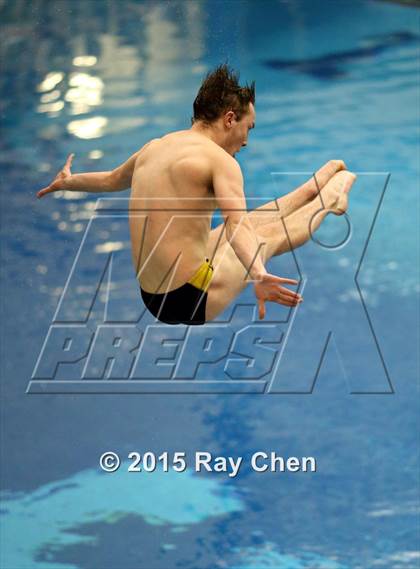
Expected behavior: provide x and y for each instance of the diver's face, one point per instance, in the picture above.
(240, 130)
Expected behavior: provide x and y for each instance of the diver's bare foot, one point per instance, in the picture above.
(323, 176)
(336, 192)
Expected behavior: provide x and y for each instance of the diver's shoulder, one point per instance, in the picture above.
(153, 141)
(222, 157)
(147, 146)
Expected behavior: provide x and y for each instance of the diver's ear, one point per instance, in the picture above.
(229, 118)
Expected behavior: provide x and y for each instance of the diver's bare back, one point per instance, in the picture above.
(171, 206)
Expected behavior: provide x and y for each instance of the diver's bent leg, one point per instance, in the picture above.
(230, 276)
(297, 228)
(284, 206)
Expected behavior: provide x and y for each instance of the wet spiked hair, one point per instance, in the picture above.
(219, 93)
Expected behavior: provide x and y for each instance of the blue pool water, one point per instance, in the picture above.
(334, 80)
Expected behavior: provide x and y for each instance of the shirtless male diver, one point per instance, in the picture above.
(189, 273)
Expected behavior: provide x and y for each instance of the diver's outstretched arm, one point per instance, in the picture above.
(110, 181)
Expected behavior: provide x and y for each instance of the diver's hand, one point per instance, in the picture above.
(60, 181)
(268, 288)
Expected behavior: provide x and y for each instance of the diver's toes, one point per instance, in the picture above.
(349, 181)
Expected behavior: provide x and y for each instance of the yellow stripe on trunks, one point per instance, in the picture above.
(201, 279)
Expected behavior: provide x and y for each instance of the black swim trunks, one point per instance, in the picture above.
(185, 304)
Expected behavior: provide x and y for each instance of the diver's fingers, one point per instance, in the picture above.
(286, 301)
(276, 279)
(45, 191)
(289, 293)
(261, 309)
(67, 165)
